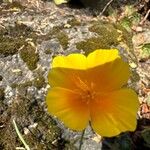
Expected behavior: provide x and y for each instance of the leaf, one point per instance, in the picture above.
(146, 50)
(126, 23)
(58, 2)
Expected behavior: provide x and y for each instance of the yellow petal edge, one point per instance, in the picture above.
(81, 62)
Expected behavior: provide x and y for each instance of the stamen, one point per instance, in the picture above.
(86, 92)
(82, 85)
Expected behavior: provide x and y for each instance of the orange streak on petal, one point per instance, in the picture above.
(68, 107)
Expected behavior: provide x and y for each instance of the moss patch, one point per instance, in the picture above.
(57, 32)
(14, 4)
(107, 32)
(60, 35)
(104, 29)
(11, 7)
(109, 36)
(10, 46)
(26, 112)
(29, 56)
(92, 44)
(21, 30)
(63, 39)
(14, 37)
(74, 22)
(126, 37)
(39, 82)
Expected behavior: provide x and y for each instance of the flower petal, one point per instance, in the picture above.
(68, 70)
(101, 56)
(73, 61)
(109, 76)
(66, 78)
(114, 113)
(68, 107)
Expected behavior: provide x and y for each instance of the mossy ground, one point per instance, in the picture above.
(58, 33)
(74, 22)
(14, 4)
(10, 46)
(13, 41)
(108, 36)
(26, 112)
(29, 56)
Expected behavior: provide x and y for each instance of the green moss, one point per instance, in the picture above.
(10, 46)
(2, 94)
(48, 51)
(107, 31)
(29, 56)
(39, 82)
(23, 31)
(74, 22)
(107, 38)
(9, 6)
(104, 29)
(55, 30)
(13, 85)
(25, 111)
(25, 84)
(109, 35)
(126, 36)
(13, 37)
(134, 79)
(60, 35)
(51, 128)
(22, 85)
(63, 39)
(14, 4)
(92, 44)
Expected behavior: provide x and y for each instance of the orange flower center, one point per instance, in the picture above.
(85, 90)
(87, 96)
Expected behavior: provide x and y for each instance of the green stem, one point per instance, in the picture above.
(20, 136)
(81, 140)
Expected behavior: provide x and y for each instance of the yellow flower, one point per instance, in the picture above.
(90, 89)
